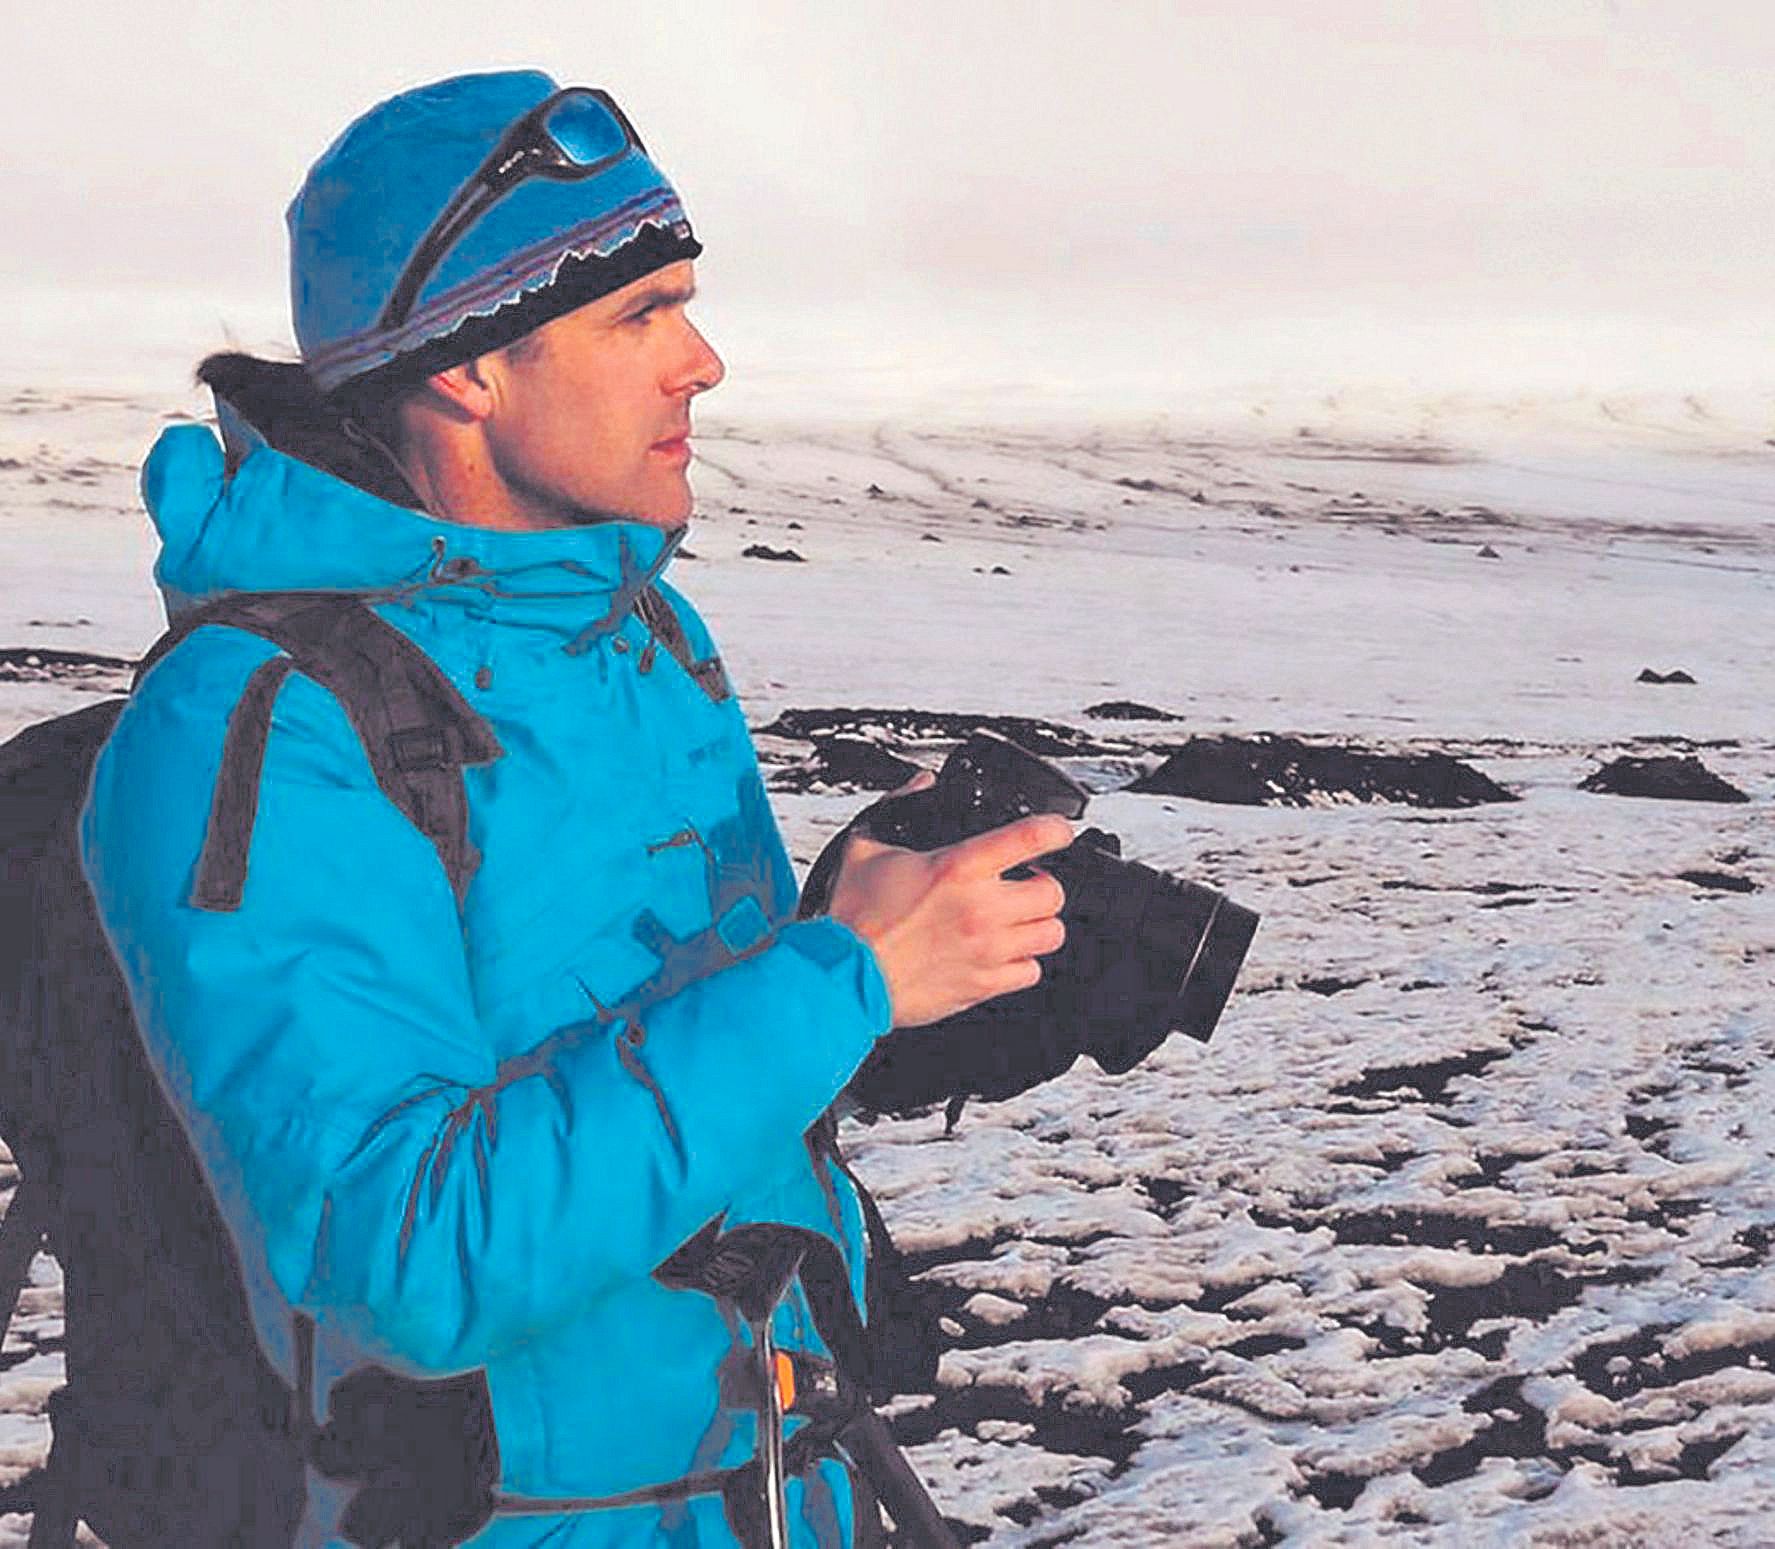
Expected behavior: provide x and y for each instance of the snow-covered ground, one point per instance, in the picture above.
(1461, 1229)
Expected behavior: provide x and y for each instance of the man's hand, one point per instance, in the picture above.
(948, 929)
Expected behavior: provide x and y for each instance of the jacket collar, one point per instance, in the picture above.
(243, 516)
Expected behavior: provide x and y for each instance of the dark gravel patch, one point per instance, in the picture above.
(1515, 1428)
(1066, 1312)
(1531, 1291)
(1429, 1079)
(1331, 984)
(1617, 1368)
(78, 669)
(912, 726)
(1423, 1228)
(1718, 881)
(1071, 1428)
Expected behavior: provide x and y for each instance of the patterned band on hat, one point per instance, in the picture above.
(656, 210)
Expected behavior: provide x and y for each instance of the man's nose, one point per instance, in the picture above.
(702, 367)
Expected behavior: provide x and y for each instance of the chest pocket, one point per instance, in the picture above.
(742, 926)
(746, 885)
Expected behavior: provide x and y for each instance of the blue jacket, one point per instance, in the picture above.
(465, 1138)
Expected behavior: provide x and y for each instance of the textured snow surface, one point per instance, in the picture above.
(1461, 1229)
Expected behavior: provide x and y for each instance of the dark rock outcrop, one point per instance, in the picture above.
(1662, 778)
(847, 763)
(1285, 772)
(1128, 710)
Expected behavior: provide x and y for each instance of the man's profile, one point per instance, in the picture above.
(486, 1073)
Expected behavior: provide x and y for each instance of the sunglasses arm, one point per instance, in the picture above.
(464, 209)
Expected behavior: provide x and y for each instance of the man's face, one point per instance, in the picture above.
(593, 409)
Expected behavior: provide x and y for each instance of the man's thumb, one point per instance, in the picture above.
(862, 846)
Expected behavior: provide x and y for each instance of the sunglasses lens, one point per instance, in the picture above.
(585, 130)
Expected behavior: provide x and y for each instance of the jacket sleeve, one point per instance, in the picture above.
(322, 1045)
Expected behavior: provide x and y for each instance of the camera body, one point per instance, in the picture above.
(1146, 954)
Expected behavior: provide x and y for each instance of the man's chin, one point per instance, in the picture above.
(667, 514)
(670, 513)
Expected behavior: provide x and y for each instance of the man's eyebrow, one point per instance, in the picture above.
(660, 296)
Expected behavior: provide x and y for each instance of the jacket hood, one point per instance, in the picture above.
(239, 515)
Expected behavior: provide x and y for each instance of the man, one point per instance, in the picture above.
(462, 1134)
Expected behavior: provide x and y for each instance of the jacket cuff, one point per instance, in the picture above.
(837, 947)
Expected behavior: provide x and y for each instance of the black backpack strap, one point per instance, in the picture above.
(668, 629)
(55, 1512)
(416, 728)
(21, 1235)
(899, 1351)
(234, 805)
(302, 1422)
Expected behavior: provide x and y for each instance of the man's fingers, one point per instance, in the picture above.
(1023, 974)
(999, 850)
(1037, 939)
(1034, 898)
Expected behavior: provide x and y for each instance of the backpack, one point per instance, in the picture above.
(173, 1428)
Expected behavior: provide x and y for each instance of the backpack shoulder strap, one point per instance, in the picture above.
(416, 728)
(21, 1235)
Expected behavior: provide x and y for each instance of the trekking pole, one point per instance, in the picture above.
(749, 1268)
(770, 1434)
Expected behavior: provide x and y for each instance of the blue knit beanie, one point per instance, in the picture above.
(542, 249)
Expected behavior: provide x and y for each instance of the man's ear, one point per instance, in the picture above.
(465, 392)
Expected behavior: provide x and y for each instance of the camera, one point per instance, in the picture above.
(1146, 954)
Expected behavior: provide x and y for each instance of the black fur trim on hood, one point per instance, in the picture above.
(278, 399)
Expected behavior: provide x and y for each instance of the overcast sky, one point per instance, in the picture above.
(1105, 177)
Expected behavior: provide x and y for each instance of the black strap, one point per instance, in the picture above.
(234, 804)
(887, 1279)
(55, 1516)
(417, 730)
(867, 1530)
(21, 1235)
(302, 1424)
(871, 1447)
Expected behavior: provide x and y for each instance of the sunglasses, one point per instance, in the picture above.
(577, 133)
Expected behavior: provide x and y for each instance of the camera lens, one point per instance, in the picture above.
(1220, 948)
